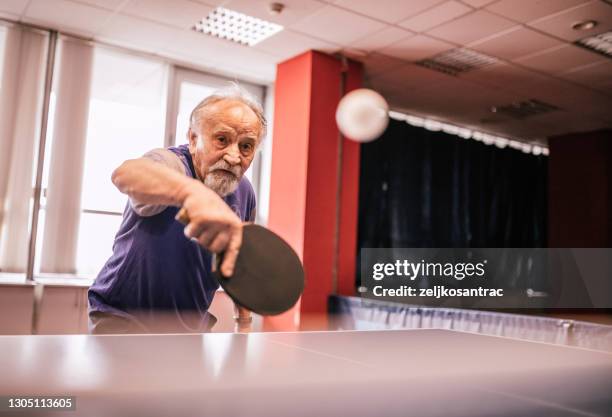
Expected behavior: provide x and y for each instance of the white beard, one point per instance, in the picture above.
(221, 183)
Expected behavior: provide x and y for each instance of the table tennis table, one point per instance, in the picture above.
(425, 372)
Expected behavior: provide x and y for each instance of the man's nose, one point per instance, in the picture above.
(232, 155)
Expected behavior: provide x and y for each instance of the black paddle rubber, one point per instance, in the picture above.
(268, 276)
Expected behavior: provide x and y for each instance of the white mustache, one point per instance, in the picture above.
(236, 170)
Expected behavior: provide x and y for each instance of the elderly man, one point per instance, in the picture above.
(159, 267)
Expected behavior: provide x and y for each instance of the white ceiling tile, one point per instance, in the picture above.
(207, 64)
(13, 7)
(574, 98)
(353, 53)
(470, 92)
(182, 14)
(415, 102)
(514, 43)
(189, 42)
(525, 11)
(376, 63)
(471, 27)
(287, 44)
(565, 122)
(412, 76)
(416, 48)
(66, 15)
(390, 11)
(560, 59)
(560, 24)
(477, 3)
(143, 34)
(382, 38)
(596, 76)
(211, 66)
(337, 25)
(506, 76)
(453, 99)
(556, 91)
(435, 16)
(248, 59)
(104, 4)
(294, 10)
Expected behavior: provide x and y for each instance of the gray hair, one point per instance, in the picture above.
(232, 92)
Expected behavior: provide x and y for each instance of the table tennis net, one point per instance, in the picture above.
(359, 314)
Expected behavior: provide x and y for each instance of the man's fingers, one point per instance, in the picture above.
(194, 229)
(207, 237)
(219, 242)
(231, 252)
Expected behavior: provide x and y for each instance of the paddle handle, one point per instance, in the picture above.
(242, 319)
(182, 216)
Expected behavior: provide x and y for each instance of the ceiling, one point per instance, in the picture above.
(531, 41)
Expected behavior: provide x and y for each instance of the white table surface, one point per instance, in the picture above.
(349, 373)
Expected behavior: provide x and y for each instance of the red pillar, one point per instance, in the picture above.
(304, 193)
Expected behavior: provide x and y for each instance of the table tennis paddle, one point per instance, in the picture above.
(268, 276)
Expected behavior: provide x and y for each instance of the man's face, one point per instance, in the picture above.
(225, 144)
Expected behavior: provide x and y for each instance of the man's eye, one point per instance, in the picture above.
(221, 139)
(247, 147)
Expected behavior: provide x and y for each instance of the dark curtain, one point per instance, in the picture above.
(420, 188)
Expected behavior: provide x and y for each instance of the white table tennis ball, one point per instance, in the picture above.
(362, 115)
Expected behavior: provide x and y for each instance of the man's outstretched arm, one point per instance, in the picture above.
(158, 179)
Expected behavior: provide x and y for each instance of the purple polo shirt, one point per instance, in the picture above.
(154, 267)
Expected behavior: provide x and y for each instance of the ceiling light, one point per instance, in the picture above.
(457, 61)
(236, 27)
(584, 25)
(601, 43)
(523, 109)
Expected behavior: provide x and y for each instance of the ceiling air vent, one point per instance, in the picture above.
(236, 27)
(524, 109)
(457, 61)
(602, 43)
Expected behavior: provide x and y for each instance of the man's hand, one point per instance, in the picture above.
(213, 224)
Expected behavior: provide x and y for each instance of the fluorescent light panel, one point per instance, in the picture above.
(523, 109)
(457, 61)
(236, 27)
(601, 43)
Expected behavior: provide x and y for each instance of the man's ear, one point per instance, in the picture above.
(192, 137)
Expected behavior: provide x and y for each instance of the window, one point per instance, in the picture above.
(191, 87)
(22, 63)
(190, 95)
(127, 113)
